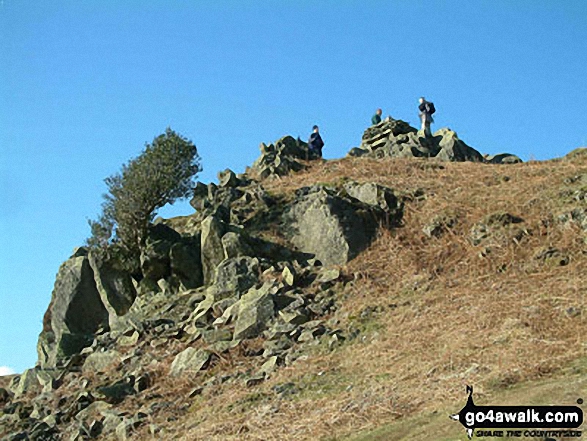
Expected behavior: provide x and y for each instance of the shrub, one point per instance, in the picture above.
(160, 175)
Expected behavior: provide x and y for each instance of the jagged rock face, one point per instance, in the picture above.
(330, 226)
(76, 312)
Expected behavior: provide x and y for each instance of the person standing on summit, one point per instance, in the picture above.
(426, 111)
(315, 142)
(377, 117)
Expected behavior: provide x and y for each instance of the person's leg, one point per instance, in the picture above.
(427, 131)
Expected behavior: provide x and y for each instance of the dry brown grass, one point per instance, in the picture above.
(451, 314)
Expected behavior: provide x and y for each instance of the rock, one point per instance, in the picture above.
(162, 232)
(577, 216)
(27, 382)
(186, 262)
(493, 223)
(129, 340)
(276, 347)
(142, 382)
(223, 346)
(329, 226)
(49, 379)
(211, 246)
(453, 149)
(282, 158)
(5, 396)
(503, 158)
(126, 427)
(269, 366)
(328, 275)
(288, 275)
(397, 139)
(101, 361)
(255, 380)
(440, 224)
(216, 335)
(155, 262)
(385, 134)
(116, 392)
(190, 361)
(377, 196)
(75, 313)
(357, 152)
(115, 286)
(255, 310)
(296, 317)
(235, 245)
(235, 276)
(227, 178)
(552, 255)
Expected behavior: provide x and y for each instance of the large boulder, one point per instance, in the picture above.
(332, 227)
(75, 313)
(255, 310)
(115, 286)
(212, 250)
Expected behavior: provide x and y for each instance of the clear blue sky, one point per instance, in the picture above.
(84, 84)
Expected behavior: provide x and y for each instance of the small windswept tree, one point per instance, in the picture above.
(160, 175)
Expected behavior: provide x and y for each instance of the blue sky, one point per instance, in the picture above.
(84, 84)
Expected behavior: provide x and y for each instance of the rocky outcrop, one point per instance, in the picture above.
(397, 139)
(75, 313)
(282, 158)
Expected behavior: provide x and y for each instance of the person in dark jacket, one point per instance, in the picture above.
(315, 142)
(426, 110)
(377, 117)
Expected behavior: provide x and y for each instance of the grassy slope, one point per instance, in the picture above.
(446, 314)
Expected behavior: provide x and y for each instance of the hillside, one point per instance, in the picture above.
(350, 299)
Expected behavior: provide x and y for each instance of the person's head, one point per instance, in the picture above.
(422, 99)
(379, 112)
(315, 129)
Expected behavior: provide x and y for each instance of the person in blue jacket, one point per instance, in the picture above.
(315, 142)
